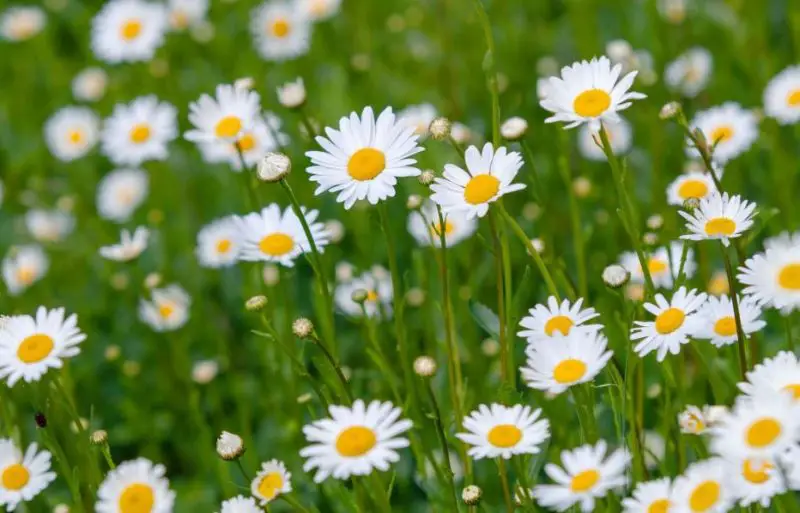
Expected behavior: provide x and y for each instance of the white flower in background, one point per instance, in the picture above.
(780, 373)
(253, 143)
(514, 128)
(224, 117)
(240, 504)
(588, 92)
(219, 243)
(589, 473)
(791, 464)
(675, 322)
(418, 117)
(292, 94)
(281, 30)
(49, 225)
(168, 309)
(354, 440)
(729, 129)
(364, 158)
(183, 14)
(22, 476)
(717, 323)
(719, 218)
(619, 135)
(773, 277)
(782, 96)
(379, 294)
(663, 265)
(425, 226)
(32, 345)
(129, 247)
(90, 84)
(272, 480)
(546, 322)
(120, 193)
(689, 73)
(755, 480)
(703, 487)
(692, 185)
(497, 431)
(461, 133)
(136, 485)
(488, 177)
(696, 421)
(674, 11)
(139, 131)
(23, 266)
(128, 30)
(71, 132)
(318, 10)
(649, 497)
(557, 364)
(20, 23)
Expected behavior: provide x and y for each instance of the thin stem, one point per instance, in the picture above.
(247, 176)
(336, 366)
(501, 465)
(242, 470)
(437, 419)
(106, 450)
(491, 73)
(295, 503)
(501, 306)
(526, 150)
(740, 337)
(787, 320)
(584, 406)
(575, 217)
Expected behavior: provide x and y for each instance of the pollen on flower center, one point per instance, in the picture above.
(136, 498)
(355, 441)
(436, 228)
(166, 310)
(35, 348)
(276, 244)
(569, 371)
(591, 103)
(504, 435)
(584, 481)
(560, 323)
(140, 133)
(372, 295)
(789, 277)
(720, 226)
(725, 327)
(131, 29)
(228, 127)
(756, 471)
(794, 389)
(270, 485)
(280, 27)
(179, 19)
(659, 506)
(669, 320)
(763, 432)
(247, 142)
(656, 266)
(224, 245)
(25, 275)
(692, 189)
(704, 496)
(793, 98)
(15, 477)
(721, 134)
(75, 136)
(481, 188)
(366, 163)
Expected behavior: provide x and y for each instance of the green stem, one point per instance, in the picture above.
(295, 503)
(501, 465)
(106, 450)
(501, 306)
(243, 471)
(740, 337)
(788, 326)
(336, 367)
(575, 217)
(585, 408)
(491, 73)
(437, 419)
(535, 187)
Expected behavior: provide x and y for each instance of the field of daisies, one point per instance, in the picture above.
(348, 256)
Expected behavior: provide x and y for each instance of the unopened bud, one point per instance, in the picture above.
(471, 495)
(514, 128)
(427, 177)
(615, 276)
(229, 446)
(302, 327)
(414, 201)
(99, 437)
(425, 366)
(669, 110)
(273, 167)
(292, 94)
(256, 303)
(440, 128)
(359, 295)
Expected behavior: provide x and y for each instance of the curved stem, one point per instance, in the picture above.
(740, 336)
(575, 217)
(437, 419)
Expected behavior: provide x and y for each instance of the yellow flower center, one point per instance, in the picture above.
(569, 371)
(355, 441)
(656, 266)
(584, 481)
(137, 498)
(504, 435)
(669, 320)
(276, 244)
(224, 245)
(130, 30)
(695, 423)
(725, 327)
(365, 164)
(721, 134)
(26, 275)
(280, 27)
(794, 389)
(228, 127)
(560, 323)
(372, 295)
(140, 133)
(318, 7)
(692, 189)
(436, 228)
(247, 142)
(718, 285)
(763, 432)
(75, 136)
(166, 310)
(705, 496)
(270, 485)
(659, 506)
(35, 348)
(756, 471)
(789, 277)
(793, 98)
(591, 103)
(480, 189)
(15, 477)
(720, 226)
(179, 19)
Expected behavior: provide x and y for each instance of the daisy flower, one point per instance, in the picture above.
(703, 487)
(22, 477)
(689, 73)
(719, 217)
(424, 225)
(219, 243)
(717, 323)
(224, 117)
(364, 158)
(139, 131)
(663, 265)
(497, 431)
(756, 480)
(183, 14)
(562, 362)
(773, 277)
(587, 476)
(378, 286)
(49, 225)
(782, 96)
(23, 266)
(675, 321)
(729, 129)
(548, 321)
(489, 176)
(240, 504)
(649, 497)
(292, 94)
(120, 193)
(272, 480)
(776, 374)
(129, 247)
(30, 346)
(272, 236)
(696, 421)
(168, 309)
(354, 440)
(790, 464)
(90, 84)
(281, 31)
(128, 31)
(71, 133)
(588, 92)
(418, 117)
(318, 10)
(619, 135)
(136, 485)
(20, 23)
(692, 185)
(783, 241)
(263, 136)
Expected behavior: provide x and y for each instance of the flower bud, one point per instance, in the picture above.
(669, 110)
(514, 128)
(99, 437)
(471, 495)
(425, 366)
(359, 295)
(302, 327)
(615, 276)
(229, 446)
(256, 303)
(292, 94)
(273, 167)
(427, 177)
(440, 128)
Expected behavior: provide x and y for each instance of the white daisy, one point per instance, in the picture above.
(619, 135)
(689, 73)
(696, 421)
(773, 277)
(776, 374)
(23, 266)
(20, 23)
(139, 131)
(136, 485)
(425, 226)
(22, 477)
(272, 236)
(219, 243)
(588, 92)
(90, 84)
(461, 133)
(783, 241)
(693, 185)
(489, 176)
(183, 14)
(719, 218)
(717, 323)
(557, 364)
(790, 463)
(318, 10)
(548, 321)
(755, 480)
(728, 128)
(587, 476)
(30, 346)
(364, 158)
(354, 441)
(253, 143)
(272, 480)
(675, 322)
(49, 225)
(663, 265)
(71, 132)
(281, 30)
(292, 94)
(240, 504)
(782, 96)
(223, 118)
(378, 287)
(702, 488)
(168, 309)
(418, 117)
(649, 497)
(497, 431)
(128, 31)
(129, 247)
(120, 193)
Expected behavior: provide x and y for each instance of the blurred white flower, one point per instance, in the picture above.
(20, 23)
(71, 132)
(139, 131)
(49, 225)
(90, 84)
(281, 30)
(690, 72)
(23, 266)
(128, 30)
(167, 310)
(120, 193)
(129, 247)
